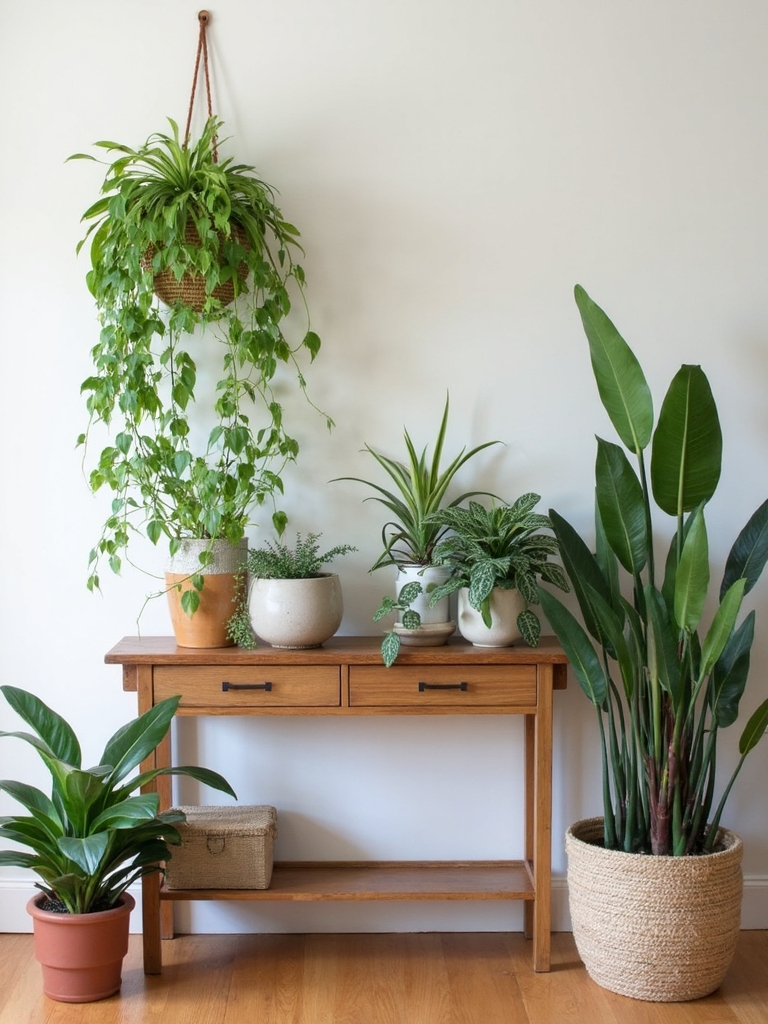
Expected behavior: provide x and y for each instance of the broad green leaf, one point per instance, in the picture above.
(687, 444)
(612, 627)
(49, 726)
(749, 553)
(136, 740)
(482, 580)
(390, 648)
(29, 797)
(754, 730)
(205, 775)
(578, 648)
(621, 506)
(583, 571)
(86, 852)
(608, 564)
(128, 812)
(663, 662)
(729, 676)
(722, 627)
(621, 383)
(692, 577)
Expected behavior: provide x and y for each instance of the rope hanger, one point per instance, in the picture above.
(202, 48)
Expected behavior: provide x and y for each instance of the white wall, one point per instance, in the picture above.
(455, 168)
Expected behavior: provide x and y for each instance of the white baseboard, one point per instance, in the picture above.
(325, 918)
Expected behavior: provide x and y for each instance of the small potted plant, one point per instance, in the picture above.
(89, 841)
(290, 601)
(183, 464)
(495, 558)
(410, 538)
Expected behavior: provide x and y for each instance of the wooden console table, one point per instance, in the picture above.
(346, 677)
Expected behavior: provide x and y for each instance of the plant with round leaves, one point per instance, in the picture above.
(663, 681)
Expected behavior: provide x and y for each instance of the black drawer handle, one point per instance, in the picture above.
(246, 686)
(442, 686)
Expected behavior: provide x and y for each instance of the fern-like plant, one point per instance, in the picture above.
(501, 547)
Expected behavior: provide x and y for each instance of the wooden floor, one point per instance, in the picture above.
(370, 979)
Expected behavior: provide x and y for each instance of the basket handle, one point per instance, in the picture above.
(202, 48)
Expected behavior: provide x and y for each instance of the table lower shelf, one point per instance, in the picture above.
(371, 880)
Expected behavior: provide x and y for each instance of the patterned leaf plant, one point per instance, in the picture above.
(503, 547)
(662, 681)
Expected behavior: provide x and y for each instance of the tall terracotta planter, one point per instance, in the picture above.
(81, 954)
(657, 928)
(207, 627)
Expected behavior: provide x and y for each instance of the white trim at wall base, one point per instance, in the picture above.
(14, 917)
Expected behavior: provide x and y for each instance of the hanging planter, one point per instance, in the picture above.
(191, 455)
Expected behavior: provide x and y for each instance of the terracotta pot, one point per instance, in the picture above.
(208, 626)
(296, 613)
(662, 929)
(506, 605)
(81, 954)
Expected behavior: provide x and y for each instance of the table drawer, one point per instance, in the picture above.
(225, 687)
(443, 686)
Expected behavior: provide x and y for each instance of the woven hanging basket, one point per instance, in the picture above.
(191, 289)
(656, 928)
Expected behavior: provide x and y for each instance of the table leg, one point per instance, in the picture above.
(150, 884)
(530, 739)
(542, 815)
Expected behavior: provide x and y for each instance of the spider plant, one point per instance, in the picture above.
(420, 490)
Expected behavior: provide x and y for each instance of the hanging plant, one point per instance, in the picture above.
(207, 236)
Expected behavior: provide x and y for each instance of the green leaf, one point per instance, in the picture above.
(663, 662)
(729, 676)
(136, 740)
(583, 572)
(578, 648)
(749, 553)
(722, 627)
(692, 577)
(621, 506)
(687, 444)
(390, 648)
(621, 383)
(52, 729)
(190, 601)
(86, 852)
(754, 730)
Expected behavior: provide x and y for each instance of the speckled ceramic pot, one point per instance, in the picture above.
(296, 613)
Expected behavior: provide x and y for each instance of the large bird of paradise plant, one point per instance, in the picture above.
(664, 678)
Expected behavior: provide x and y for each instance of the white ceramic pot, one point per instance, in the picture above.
(429, 576)
(296, 613)
(506, 605)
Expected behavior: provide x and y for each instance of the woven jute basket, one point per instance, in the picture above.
(191, 290)
(656, 928)
(224, 848)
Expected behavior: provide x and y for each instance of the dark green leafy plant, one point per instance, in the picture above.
(421, 487)
(180, 464)
(95, 835)
(662, 682)
(501, 547)
(276, 561)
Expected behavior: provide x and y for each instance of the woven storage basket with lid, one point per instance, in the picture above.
(224, 848)
(656, 928)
